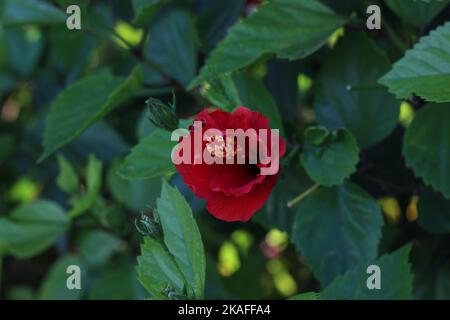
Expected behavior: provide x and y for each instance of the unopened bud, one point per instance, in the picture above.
(149, 226)
(162, 115)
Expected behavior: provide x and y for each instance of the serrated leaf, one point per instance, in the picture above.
(416, 13)
(396, 280)
(30, 11)
(67, 179)
(426, 146)
(84, 103)
(434, 212)
(32, 228)
(172, 45)
(287, 28)
(349, 97)
(182, 238)
(157, 270)
(424, 70)
(332, 158)
(150, 158)
(349, 223)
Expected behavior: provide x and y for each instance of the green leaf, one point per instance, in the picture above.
(54, 285)
(30, 11)
(145, 10)
(431, 268)
(311, 295)
(182, 238)
(172, 45)
(67, 179)
(70, 51)
(157, 270)
(426, 146)
(21, 292)
(84, 103)
(434, 212)
(349, 96)
(32, 228)
(96, 247)
(424, 70)
(416, 13)
(329, 157)
(118, 274)
(99, 134)
(255, 96)
(348, 221)
(94, 175)
(82, 203)
(7, 82)
(229, 92)
(346, 6)
(215, 17)
(276, 213)
(222, 93)
(287, 28)
(396, 280)
(150, 158)
(24, 46)
(7, 145)
(136, 195)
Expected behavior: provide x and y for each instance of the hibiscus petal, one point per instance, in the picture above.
(237, 182)
(242, 208)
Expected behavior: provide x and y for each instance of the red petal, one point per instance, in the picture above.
(232, 208)
(235, 182)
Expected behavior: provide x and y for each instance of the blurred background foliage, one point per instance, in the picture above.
(91, 209)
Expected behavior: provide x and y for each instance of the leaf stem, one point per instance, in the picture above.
(303, 195)
(136, 51)
(296, 148)
(396, 40)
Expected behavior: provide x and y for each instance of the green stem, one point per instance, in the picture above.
(134, 51)
(286, 160)
(396, 40)
(303, 195)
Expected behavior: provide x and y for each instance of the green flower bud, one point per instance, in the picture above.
(162, 115)
(149, 226)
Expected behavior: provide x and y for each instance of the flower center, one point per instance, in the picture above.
(218, 147)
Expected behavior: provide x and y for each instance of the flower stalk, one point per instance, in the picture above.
(303, 195)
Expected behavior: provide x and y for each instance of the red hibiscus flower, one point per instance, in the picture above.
(233, 191)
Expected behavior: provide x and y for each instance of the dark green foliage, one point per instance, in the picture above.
(86, 176)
